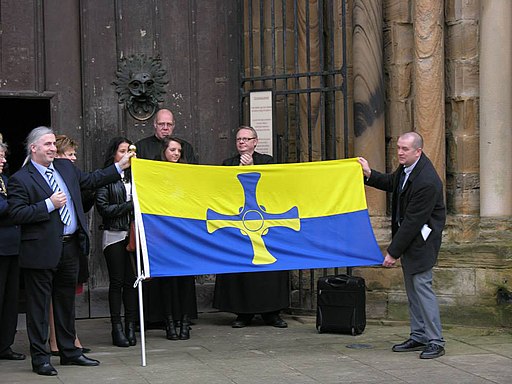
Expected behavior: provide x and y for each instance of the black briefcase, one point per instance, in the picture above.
(341, 304)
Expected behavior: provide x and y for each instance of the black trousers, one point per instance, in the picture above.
(9, 290)
(57, 285)
(120, 265)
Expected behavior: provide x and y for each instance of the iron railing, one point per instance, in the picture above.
(298, 51)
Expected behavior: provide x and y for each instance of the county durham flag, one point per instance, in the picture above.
(200, 219)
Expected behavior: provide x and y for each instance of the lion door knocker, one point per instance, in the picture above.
(140, 85)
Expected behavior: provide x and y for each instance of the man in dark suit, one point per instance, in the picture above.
(247, 294)
(418, 220)
(151, 147)
(44, 198)
(9, 271)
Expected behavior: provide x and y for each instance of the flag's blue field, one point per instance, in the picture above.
(198, 219)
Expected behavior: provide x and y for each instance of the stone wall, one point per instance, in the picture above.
(474, 266)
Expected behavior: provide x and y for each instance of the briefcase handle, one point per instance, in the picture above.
(337, 281)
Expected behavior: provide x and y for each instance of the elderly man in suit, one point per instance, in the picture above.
(44, 198)
(418, 219)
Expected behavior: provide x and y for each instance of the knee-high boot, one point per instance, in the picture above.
(185, 328)
(118, 337)
(129, 329)
(170, 329)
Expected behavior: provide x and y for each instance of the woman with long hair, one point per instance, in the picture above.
(115, 205)
(178, 293)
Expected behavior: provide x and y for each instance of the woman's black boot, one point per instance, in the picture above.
(118, 337)
(129, 330)
(170, 329)
(185, 328)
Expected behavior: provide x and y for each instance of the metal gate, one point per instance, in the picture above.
(297, 50)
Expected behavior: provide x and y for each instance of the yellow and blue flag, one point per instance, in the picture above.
(201, 219)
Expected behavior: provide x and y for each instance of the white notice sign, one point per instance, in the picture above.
(261, 120)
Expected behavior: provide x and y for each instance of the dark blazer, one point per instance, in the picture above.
(150, 148)
(41, 232)
(257, 158)
(9, 233)
(421, 202)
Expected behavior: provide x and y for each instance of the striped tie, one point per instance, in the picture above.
(63, 211)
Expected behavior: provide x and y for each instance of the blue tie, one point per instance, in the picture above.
(63, 211)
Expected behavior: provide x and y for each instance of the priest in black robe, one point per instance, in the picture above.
(251, 293)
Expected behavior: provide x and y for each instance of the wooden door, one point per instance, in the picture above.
(65, 55)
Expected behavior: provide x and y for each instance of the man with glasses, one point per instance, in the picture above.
(247, 294)
(151, 147)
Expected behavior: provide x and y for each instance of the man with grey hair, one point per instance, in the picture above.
(44, 199)
(418, 219)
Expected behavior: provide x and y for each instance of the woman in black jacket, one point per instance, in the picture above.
(115, 206)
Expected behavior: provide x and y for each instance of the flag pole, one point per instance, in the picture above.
(140, 274)
(138, 282)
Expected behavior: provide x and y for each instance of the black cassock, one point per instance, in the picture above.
(251, 292)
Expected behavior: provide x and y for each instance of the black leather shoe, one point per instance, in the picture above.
(129, 330)
(11, 355)
(118, 337)
(239, 324)
(432, 351)
(278, 322)
(45, 369)
(409, 346)
(82, 360)
(242, 321)
(55, 353)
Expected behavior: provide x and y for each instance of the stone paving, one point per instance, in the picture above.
(217, 353)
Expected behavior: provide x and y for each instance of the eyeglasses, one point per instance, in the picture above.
(162, 125)
(2, 157)
(244, 139)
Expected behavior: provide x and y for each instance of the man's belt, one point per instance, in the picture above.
(68, 238)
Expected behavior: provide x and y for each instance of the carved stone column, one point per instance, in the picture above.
(369, 122)
(429, 109)
(309, 61)
(462, 103)
(495, 108)
(399, 64)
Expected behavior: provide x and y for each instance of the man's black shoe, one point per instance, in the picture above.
(80, 360)
(242, 321)
(239, 324)
(277, 322)
(45, 369)
(409, 346)
(432, 351)
(11, 355)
